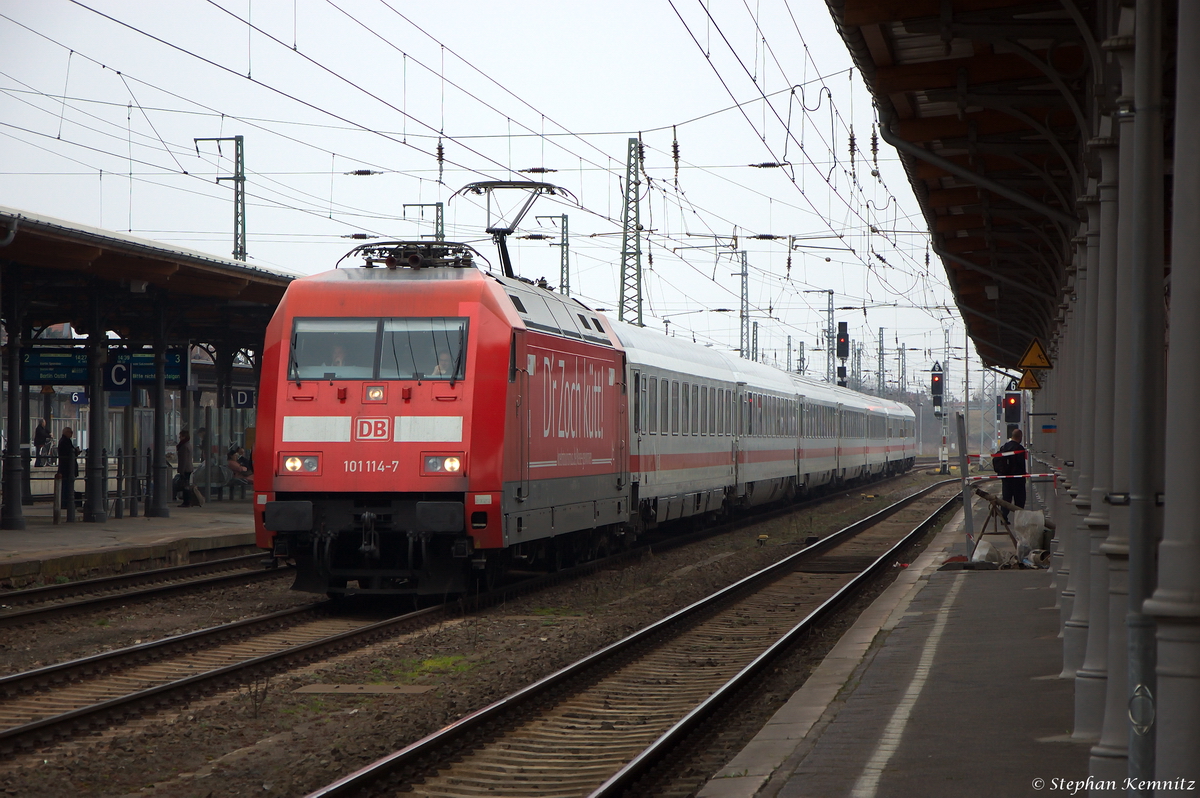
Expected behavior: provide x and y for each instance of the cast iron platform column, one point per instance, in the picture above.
(95, 505)
(1175, 604)
(12, 516)
(162, 471)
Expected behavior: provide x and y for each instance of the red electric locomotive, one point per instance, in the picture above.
(421, 421)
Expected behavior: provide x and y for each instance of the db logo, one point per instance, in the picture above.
(372, 429)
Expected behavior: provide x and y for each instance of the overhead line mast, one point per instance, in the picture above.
(744, 346)
(239, 191)
(630, 309)
(564, 270)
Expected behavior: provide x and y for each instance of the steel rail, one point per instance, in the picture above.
(413, 755)
(656, 752)
(73, 670)
(47, 611)
(13, 598)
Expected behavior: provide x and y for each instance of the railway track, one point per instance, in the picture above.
(599, 726)
(59, 701)
(42, 603)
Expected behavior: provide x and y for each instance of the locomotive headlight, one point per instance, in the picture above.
(302, 463)
(375, 393)
(442, 464)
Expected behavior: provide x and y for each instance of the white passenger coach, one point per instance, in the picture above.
(710, 431)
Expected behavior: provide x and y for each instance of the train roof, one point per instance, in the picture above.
(547, 311)
(650, 347)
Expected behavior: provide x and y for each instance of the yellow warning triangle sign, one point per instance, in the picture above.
(1028, 382)
(1035, 357)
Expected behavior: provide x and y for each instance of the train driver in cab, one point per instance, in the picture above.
(445, 366)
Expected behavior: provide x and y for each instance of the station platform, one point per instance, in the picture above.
(44, 552)
(946, 686)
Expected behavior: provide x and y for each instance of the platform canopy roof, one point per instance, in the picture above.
(998, 109)
(64, 272)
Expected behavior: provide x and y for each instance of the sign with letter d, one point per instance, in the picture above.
(372, 429)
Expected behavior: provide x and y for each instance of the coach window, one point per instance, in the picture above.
(637, 402)
(652, 406)
(645, 395)
(695, 409)
(704, 410)
(664, 405)
(674, 407)
(688, 405)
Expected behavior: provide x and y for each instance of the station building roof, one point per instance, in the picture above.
(997, 108)
(58, 268)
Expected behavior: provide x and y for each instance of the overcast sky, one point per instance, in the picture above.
(100, 103)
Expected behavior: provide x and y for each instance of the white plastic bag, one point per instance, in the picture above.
(986, 552)
(1027, 528)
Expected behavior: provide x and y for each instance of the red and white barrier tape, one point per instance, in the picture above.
(1014, 476)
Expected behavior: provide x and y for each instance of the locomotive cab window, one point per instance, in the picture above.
(430, 349)
(335, 349)
(385, 349)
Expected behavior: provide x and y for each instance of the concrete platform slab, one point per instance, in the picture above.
(44, 552)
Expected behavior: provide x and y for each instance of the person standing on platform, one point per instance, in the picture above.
(183, 454)
(41, 440)
(1009, 463)
(68, 466)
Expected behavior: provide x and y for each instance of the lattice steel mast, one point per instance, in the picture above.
(744, 346)
(239, 191)
(630, 309)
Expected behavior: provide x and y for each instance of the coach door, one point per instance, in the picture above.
(637, 426)
(739, 428)
(837, 448)
(630, 430)
(797, 422)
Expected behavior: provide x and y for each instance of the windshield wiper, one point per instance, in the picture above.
(458, 358)
(293, 364)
